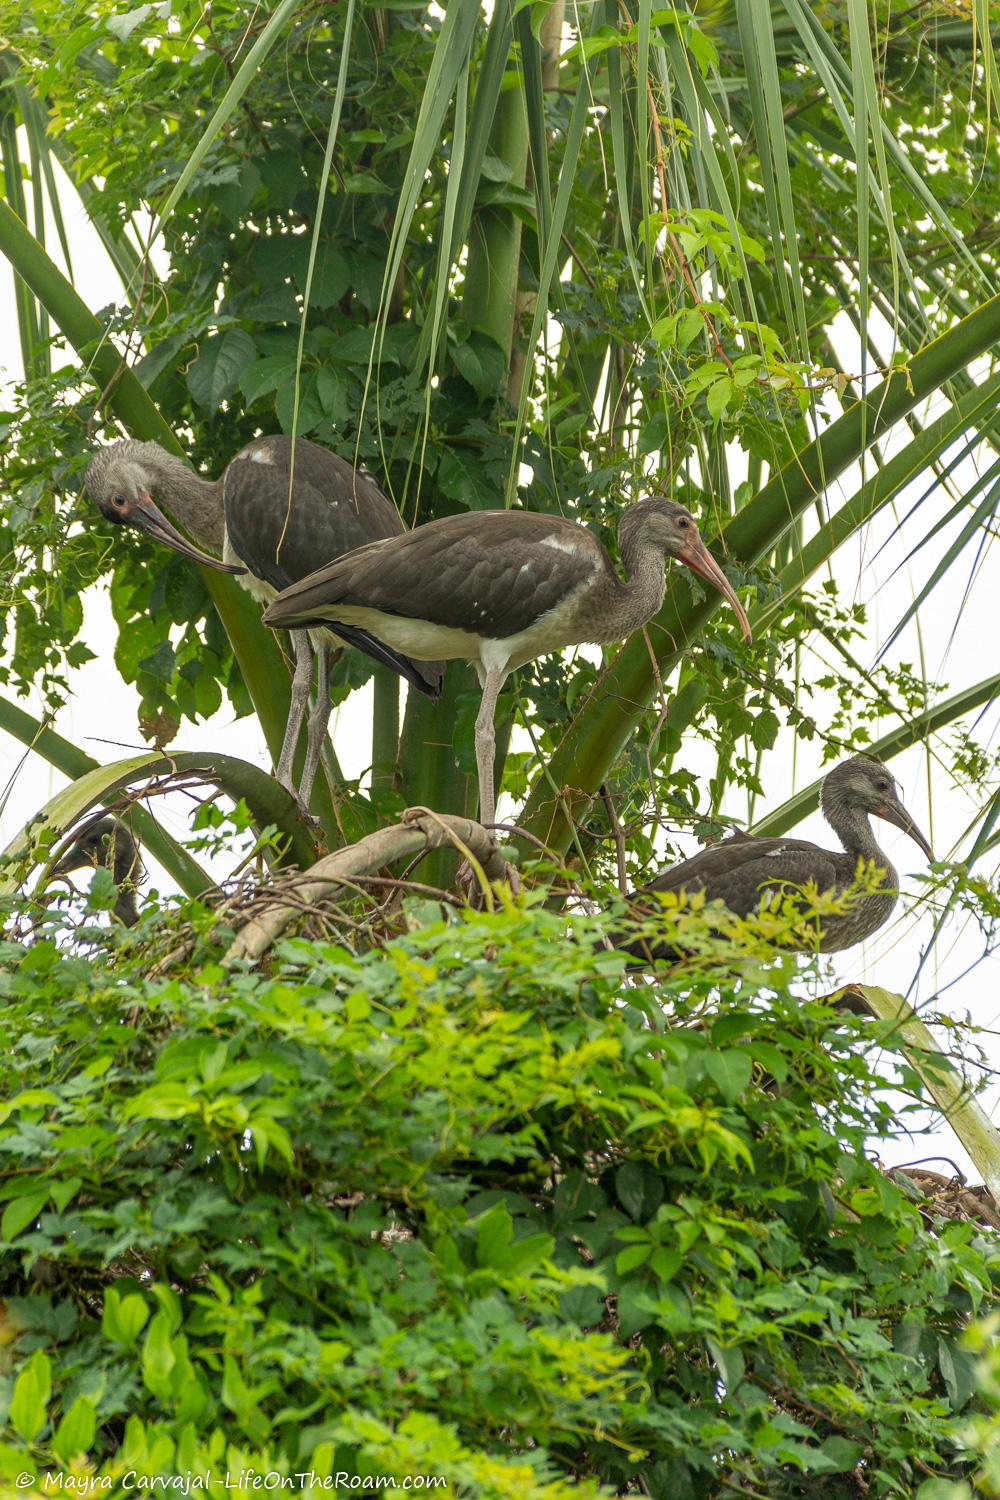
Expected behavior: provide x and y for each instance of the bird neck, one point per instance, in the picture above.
(125, 907)
(854, 830)
(636, 600)
(196, 503)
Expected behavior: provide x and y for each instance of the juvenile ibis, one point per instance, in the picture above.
(497, 588)
(272, 522)
(108, 845)
(744, 872)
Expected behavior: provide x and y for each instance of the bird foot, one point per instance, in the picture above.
(467, 879)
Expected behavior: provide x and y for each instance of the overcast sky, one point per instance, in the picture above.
(956, 645)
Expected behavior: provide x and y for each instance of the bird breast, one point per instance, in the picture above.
(255, 587)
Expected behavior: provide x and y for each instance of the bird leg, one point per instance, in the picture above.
(486, 743)
(301, 682)
(319, 718)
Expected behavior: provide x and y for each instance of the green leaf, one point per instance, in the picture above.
(629, 1180)
(632, 1256)
(494, 1233)
(215, 374)
(263, 376)
(729, 1361)
(841, 1454)
(31, 1394)
(460, 477)
(482, 363)
(158, 1358)
(76, 1430)
(958, 1371)
(730, 1070)
(124, 1316)
(21, 1212)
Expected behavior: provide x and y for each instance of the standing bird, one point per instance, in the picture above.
(745, 872)
(499, 587)
(278, 519)
(108, 845)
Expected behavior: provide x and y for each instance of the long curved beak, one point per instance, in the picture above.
(147, 516)
(73, 859)
(696, 556)
(895, 812)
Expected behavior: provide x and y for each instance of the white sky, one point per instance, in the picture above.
(958, 645)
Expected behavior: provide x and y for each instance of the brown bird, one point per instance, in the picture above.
(280, 521)
(497, 588)
(745, 873)
(108, 845)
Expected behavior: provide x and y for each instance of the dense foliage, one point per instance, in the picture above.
(459, 1198)
(465, 1206)
(683, 347)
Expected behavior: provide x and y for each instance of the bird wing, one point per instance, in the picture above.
(740, 869)
(493, 572)
(334, 509)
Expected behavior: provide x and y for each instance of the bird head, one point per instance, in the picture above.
(865, 785)
(119, 479)
(668, 526)
(105, 844)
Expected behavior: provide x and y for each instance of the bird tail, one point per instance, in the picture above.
(425, 676)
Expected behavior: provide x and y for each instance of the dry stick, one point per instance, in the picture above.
(968, 1120)
(619, 837)
(672, 238)
(420, 831)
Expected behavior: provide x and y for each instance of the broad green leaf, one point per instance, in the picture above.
(32, 1390)
(76, 1430)
(215, 374)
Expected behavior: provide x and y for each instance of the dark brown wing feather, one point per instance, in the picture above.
(334, 509)
(737, 872)
(494, 572)
(739, 869)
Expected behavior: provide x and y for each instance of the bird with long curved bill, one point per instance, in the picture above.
(273, 516)
(497, 588)
(745, 873)
(108, 845)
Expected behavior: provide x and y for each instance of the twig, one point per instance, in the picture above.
(419, 831)
(671, 236)
(619, 837)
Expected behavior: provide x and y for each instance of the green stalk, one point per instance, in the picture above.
(613, 709)
(430, 773)
(72, 762)
(256, 651)
(941, 1078)
(491, 277)
(27, 321)
(385, 727)
(270, 804)
(877, 492)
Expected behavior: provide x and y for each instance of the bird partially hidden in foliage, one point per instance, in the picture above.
(108, 845)
(275, 514)
(745, 873)
(496, 588)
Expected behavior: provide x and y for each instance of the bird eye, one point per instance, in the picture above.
(118, 501)
(683, 522)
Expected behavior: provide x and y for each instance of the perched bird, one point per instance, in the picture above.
(108, 845)
(745, 872)
(497, 588)
(271, 521)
